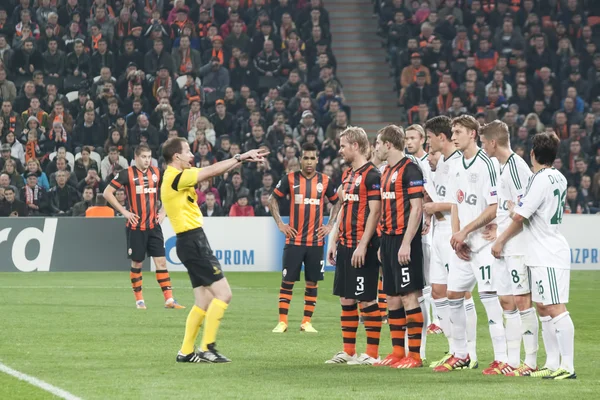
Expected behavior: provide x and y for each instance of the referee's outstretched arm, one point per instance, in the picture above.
(221, 167)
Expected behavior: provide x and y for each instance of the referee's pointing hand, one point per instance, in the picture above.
(254, 155)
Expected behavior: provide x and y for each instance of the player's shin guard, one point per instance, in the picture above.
(349, 320)
(310, 302)
(425, 313)
(285, 297)
(397, 322)
(443, 316)
(372, 322)
(471, 313)
(192, 327)
(494, 316)
(381, 298)
(530, 331)
(458, 318)
(550, 343)
(513, 337)
(565, 333)
(214, 314)
(414, 327)
(164, 281)
(135, 274)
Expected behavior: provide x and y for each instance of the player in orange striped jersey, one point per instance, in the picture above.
(305, 233)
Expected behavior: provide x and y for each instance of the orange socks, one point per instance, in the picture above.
(397, 322)
(164, 280)
(414, 326)
(310, 302)
(136, 282)
(349, 320)
(372, 321)
(285, 297)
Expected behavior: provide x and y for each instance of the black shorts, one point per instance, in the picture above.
(401, 279)
(140, 243)
(356, 283)
(197, 257)
(312, 258)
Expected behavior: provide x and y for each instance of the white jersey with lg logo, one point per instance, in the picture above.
(444, 172)
(473, 189)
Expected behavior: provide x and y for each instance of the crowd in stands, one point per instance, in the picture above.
(83, 82)
(535, 64)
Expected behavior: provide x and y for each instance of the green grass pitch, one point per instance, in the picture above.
(82, 333)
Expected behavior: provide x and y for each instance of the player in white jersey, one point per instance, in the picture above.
(415, 143)
(439, 137)
(510, 276)
(473, 194)
(547, 255)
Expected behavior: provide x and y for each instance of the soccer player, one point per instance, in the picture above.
(304, 234)
(401, 248)
(211, 290)
(510, 278)
(144, 234)
(547, 255)
(439, 137)
(357, 267)
(474, 198)
(381, 297)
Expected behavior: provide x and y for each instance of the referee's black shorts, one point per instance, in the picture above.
(142, 242)
(198, 258)
(401, 279)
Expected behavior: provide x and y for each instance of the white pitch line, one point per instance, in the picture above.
(17, 287)
(58, 392)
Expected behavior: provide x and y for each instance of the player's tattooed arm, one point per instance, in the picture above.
(324, 230)
(514, 228)
(284, 228)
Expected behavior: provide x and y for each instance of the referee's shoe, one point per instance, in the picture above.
(213, 356)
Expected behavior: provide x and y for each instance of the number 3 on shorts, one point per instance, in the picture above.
(360, 283)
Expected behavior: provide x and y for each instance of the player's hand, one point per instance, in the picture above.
(464, 252)
(358, 257)
(404, 254)
(426, 226)
(287, 230)
(490, 231)
(331, 255)
(497, 249)
(323, 231)
(510, 205)
(161, 217)
(458, 239)
(379, 254)
(131, 217)
(254, 155)
(429, 208)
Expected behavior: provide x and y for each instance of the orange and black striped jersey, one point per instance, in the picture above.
(399, 184)
(307, 198)
(142, 189)
(359, 187)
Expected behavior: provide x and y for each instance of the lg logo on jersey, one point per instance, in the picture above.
(441, 191)
(45, 238)
(470, 199)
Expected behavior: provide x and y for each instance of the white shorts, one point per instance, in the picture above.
(426, 263)
(550, 285)
(463, 275)
(441, 251)
(511, 276)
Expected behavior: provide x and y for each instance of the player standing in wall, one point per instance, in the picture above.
(381, 297)
(357, 267)
(401, 248)
(144, 234)
(474, 199)
(547, 256)
(304, 234)
(511, 280)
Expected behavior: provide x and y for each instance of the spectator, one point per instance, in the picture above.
(10, 169)
(62, 196)
(206, 187)
(100, 209)
(574, 202)
(262, 208)
(12, 207)
(109, 162)
(121, 197)
(34, 195)
(210, 208)
(62, 166)
(8, 90)
(241, 208)
(33, 167)
(585, 191)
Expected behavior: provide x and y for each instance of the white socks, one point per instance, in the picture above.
(513, 337)
(471, 328)
(442, 308)
(530, 331)
(424, 309)
(550, 343)
(565, 333)
(430, 306)
(494, 316)
(459, 328)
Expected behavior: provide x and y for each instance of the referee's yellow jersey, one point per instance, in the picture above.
(179, 198)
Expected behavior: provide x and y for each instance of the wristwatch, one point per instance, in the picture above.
(238, 157)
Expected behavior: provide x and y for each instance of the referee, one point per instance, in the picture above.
(211, 291)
